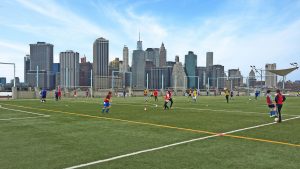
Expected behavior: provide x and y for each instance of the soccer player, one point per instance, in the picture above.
(106, 103)
(75, 93)
(279, 99)
(43, 95)
(195, 95)
(124, 93)
(270, 104)
(227, 95)
(190, 93)
(87, 93)
(256, 94)
(231, 95)
(59, 93)
(155, 94)
(56, 95)
(146, 95)
(167, 99)
(145, 98)
(170, 98)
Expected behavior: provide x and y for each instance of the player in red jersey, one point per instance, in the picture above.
(106, 103)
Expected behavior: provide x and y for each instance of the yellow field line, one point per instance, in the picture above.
(162, 126)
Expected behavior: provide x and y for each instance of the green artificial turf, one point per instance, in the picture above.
(76, 132)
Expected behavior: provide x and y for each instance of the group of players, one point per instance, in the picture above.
(167, 98)
(274, 105)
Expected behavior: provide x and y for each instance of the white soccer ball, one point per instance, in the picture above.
(145, 109)
(276, 119)
(156, 105)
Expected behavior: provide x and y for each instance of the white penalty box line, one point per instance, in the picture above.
(174, 144)
(38, 115)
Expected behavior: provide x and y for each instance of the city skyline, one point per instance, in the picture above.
(261, 32)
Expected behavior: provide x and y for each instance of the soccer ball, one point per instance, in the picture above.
(156, 105)
(145, 108)
(276, 119)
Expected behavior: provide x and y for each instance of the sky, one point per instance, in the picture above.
(239, 32)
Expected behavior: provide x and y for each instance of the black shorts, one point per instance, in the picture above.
(271, 105)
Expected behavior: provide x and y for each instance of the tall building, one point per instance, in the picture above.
(139, 43)
(41, 66)
(56, 72)
(152, 54)
(271, 78)
(178, 75)
(235, 77)
(162, 55)
(149, 65)
(138, 66)
(209, 59)
(216, 76)
(190, 69)
(125, 59)
(160, 77)
(69, 69)
(252, 78)
(201, 73)
(114, 65)
(100, 63)
(170, 63)
(85, 72)
(26, 66)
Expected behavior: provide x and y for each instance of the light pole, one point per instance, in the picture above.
(260, 73)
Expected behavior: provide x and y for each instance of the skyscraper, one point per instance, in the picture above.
(100, 63)
(235, 77)
(271, 78)
(162, 55)
(85, 72)
(209, 59)
(56, 72)
(26, 66)
(152, 54)
(178, 75)
(69, 68)
(138, 66)
(216, 76)
(125, 59)
(201, 73)
(139, 43)
(190, 69)
(41, 59)
(252, 78)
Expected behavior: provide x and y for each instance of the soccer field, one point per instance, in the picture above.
(210, 133)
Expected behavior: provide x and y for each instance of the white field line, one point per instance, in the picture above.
(174, 144)
(23, 111)
(23, 118)
(236, 111)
